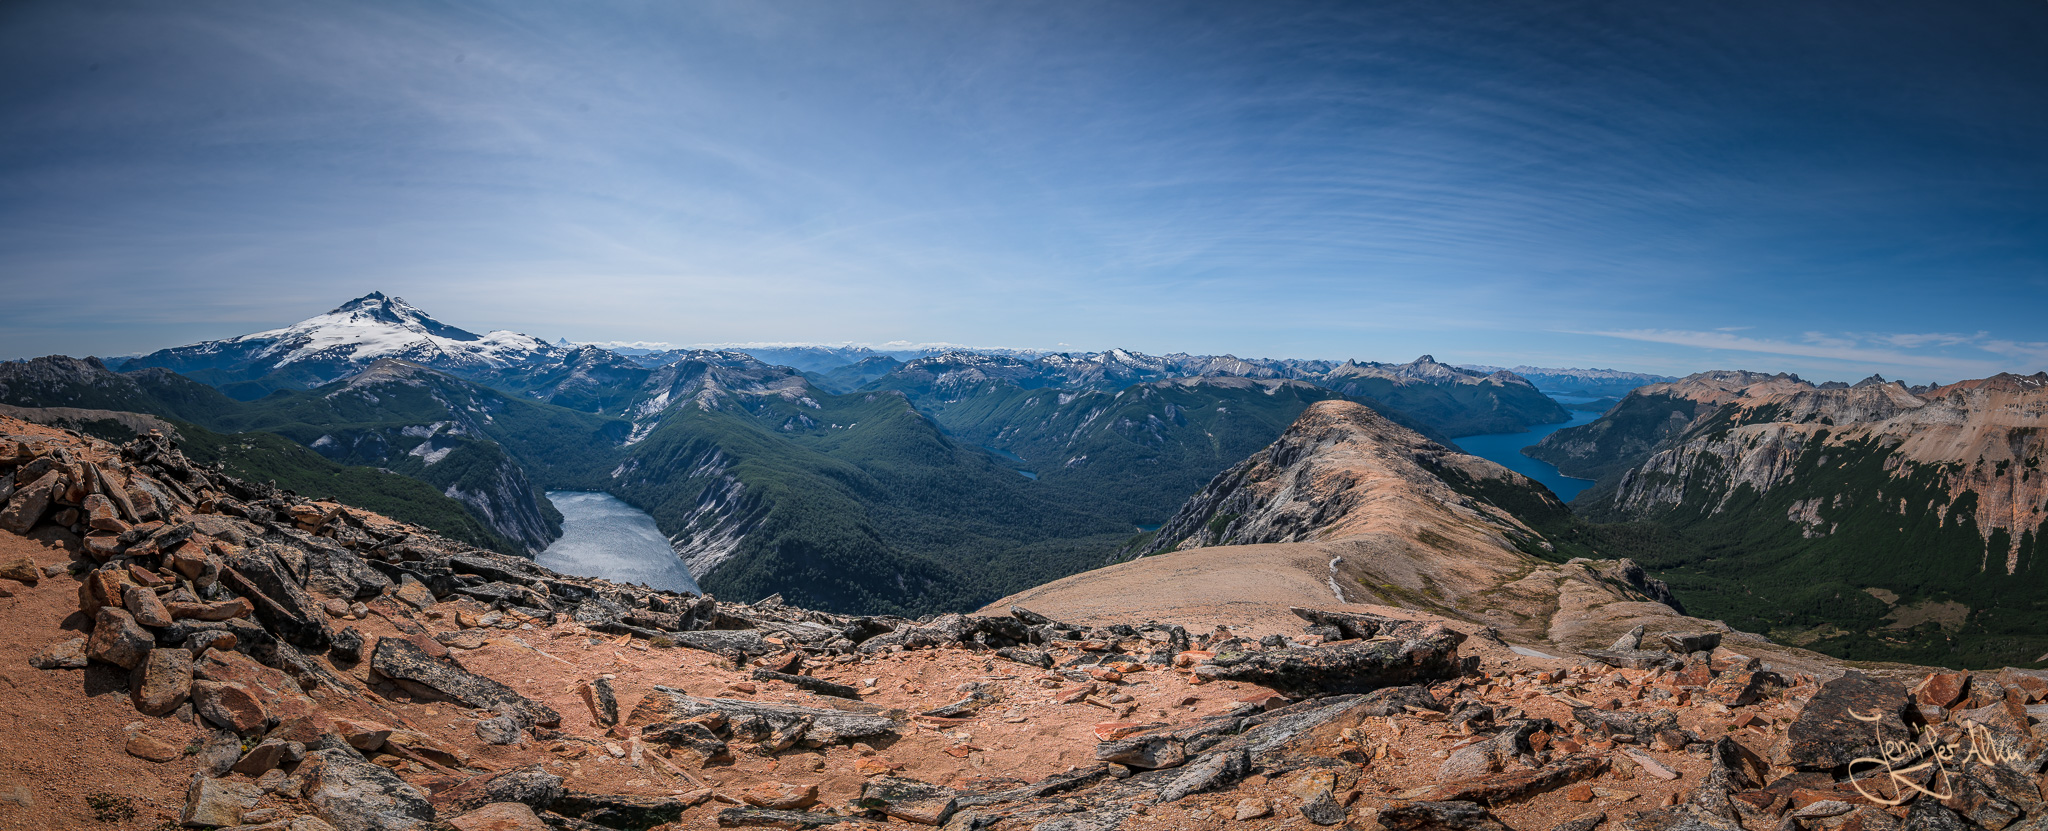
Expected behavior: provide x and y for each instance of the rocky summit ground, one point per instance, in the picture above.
(187, 650)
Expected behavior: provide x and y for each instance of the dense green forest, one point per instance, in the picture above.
(1735, 556)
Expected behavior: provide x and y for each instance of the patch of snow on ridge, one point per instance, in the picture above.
(430, 454)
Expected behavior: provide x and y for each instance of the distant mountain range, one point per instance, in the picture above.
(1870, 521)
(841, 477)
(1586, 382)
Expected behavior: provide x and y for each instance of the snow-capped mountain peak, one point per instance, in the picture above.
(352, 336)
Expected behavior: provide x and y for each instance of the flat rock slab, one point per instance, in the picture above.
(1439, 816)
(824, 727)
(909, 799)
(770, 818)
(1828, 735)
(1521, 784)
(402, 660)
(1634, 658)
(1347, 668)
(805, 682)
(354, 795)
(620, 811)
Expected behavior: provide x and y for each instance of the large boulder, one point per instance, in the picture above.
(404, 662)
(117, 639)
(231, 705)
(282, 604)
(532, 786)
(814, 726)
(29, 504)
(354, 795)
(162, 682)
(1429, 655)
(1829, 734)
(216, 802)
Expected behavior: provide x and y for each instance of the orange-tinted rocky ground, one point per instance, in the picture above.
(367, 675)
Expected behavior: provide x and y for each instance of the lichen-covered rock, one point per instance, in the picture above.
(1438, 816)
(1828, 735)
(69, 654)
(401, 660)
(117, 639)
(162, 682)
(816, 726)
(1344, 668)
(354, 795)
(213, 802)
(909, 799)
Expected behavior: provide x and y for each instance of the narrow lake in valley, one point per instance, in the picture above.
(1505, 449)
(605, 537)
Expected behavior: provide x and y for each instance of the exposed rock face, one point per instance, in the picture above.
(1924, 497)
(1646, 417)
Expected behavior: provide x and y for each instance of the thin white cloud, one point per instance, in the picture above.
(1816, 345)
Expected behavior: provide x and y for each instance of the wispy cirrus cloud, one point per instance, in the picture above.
(1857, 350)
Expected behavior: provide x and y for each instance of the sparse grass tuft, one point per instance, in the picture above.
(108, 807)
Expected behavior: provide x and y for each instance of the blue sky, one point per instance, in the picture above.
(1828, 188)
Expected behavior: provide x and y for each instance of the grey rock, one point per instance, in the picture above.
(607, 701)
(1688, 643)
(1146, 752)
(531, 786)
(823, 726)
(1348, 668)
(1828, 735)
(1439, 816)
(771, 818)
(219, 753)
(215, 802)
(347, 646)
(688, 735)
(620, 810)
(1216, 770)
(117, 639)
(501, 730)
(61, 655)
(353, 795)
(402, 660)
(909, 799)
(805, 682)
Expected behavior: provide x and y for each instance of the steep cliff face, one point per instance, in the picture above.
(1977, 442)
(1847, 515)
(1647, 417)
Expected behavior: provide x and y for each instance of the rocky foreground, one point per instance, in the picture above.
(191, 650)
